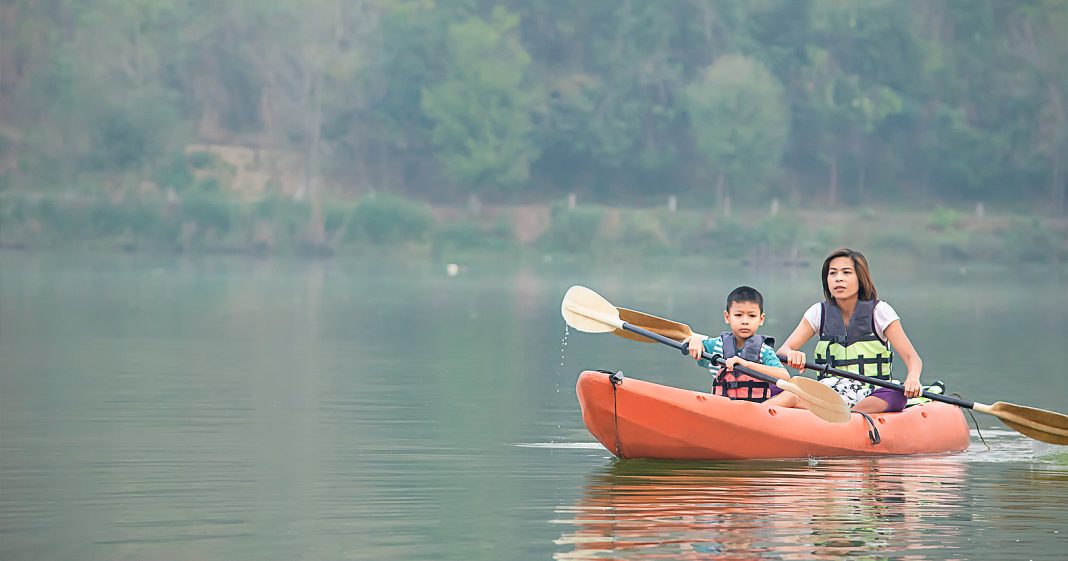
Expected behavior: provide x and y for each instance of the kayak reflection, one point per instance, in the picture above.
(871, 508)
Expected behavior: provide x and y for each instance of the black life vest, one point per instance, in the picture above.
(740, 386)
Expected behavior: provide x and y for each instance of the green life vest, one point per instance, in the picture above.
(856, 347)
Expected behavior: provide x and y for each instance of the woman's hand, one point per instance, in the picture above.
(696, 345)
(795, 359)
(912, 386)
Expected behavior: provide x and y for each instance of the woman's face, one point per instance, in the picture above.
(842, 278)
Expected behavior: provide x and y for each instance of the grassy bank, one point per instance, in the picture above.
(213, 222)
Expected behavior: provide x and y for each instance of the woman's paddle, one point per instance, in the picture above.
(587, 311)
(1039, 424)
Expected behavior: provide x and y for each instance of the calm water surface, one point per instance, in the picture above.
(206, 408)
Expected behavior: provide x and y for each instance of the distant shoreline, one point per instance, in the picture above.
(215, 223)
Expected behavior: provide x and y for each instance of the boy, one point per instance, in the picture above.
(741, 345)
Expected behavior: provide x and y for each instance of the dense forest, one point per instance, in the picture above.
(819, 102)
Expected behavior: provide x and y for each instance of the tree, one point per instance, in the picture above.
(482, 111)
(739, 120)
(1037, 38)
(846, 82)
(99, 96)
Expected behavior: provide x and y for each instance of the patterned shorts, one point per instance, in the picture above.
(850, 390)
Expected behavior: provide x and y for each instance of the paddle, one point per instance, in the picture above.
(660, 326)
(587, 311)
(1039, 424)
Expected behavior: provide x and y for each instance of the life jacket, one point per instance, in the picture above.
(855, 348)
(740, 386)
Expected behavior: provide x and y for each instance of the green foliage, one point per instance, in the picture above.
(176, 174)
(896, 240)
(200, 160)
(739, 119)
(470, 234)
(778, 235)
(1030, 240)
(572, 230)
(286, 215)
(483, 132)
(130, 135)
(386, 219)
(645, 231)
(943, 219)
(208, 211)
(812, 101)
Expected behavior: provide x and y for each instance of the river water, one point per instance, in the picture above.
(173, 408)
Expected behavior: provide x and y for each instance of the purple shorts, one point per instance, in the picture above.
(895, 400)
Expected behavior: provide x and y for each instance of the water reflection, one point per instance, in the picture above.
(872, 508)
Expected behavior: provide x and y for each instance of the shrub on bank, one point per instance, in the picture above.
(645, 230)
(472, 234)
(1030, 240)
(572, 230)
(385, 219)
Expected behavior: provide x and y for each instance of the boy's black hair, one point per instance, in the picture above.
(745, 294)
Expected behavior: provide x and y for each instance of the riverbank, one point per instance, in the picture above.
(214, 223)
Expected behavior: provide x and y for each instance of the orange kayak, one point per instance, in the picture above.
(638, 419)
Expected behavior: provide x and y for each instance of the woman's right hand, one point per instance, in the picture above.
(795, 359)
(696, 345)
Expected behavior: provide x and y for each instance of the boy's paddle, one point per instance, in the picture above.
(660, 326)
(587, 311)
(1039, 424)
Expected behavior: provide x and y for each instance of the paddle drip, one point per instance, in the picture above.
(563, 356)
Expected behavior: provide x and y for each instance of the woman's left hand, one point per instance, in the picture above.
(913, 387)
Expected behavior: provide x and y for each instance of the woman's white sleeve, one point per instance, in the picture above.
(884, 316)
(812, 315)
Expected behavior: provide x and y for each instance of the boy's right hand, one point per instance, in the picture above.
(796, 359)
(696, 344)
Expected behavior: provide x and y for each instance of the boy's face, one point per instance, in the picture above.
(744, 319)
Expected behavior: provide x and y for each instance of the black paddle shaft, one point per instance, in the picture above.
(685, 348)
(884, 383)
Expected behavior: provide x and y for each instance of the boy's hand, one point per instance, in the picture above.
(735, 360)
(696, 345)
(796, 359)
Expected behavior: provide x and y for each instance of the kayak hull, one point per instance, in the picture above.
(639, 419)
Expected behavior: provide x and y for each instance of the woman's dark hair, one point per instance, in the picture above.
(866, 291)
(745, 294)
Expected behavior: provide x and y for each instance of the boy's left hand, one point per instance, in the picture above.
(735, 360)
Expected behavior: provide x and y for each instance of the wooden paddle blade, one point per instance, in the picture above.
(1039, 424)
(818, 398)
(658, 325)
(587, 311)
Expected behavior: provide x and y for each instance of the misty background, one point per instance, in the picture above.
(325, 125)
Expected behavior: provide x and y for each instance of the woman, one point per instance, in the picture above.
(856, 333)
